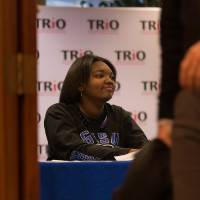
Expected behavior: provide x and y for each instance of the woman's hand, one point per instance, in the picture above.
(133, 150)
(189, 76)
(165, 131)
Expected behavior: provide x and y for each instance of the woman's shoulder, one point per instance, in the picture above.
(116, 109)
(61, 108)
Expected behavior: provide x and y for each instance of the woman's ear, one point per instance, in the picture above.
(81, 88)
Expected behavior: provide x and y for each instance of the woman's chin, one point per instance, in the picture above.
(107, 98)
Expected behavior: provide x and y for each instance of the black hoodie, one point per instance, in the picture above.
(73, 136)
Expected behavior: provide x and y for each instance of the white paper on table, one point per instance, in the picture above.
(65, 161)
(126, 157)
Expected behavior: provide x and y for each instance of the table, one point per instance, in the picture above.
(81, 180)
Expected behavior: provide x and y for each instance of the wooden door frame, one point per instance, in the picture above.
(18, 135)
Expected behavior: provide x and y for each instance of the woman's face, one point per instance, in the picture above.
(101, 83)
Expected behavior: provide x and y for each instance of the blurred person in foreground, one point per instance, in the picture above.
(179, 108)
(169, 166)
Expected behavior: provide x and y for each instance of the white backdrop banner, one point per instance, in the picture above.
(128, 37)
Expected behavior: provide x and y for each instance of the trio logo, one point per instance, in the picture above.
(150, 26)
(54, 88)
(103, 25)
(150, 87)
(49, 87)
(139, 116)
(49, 25)
(130, 56)
(69, 56)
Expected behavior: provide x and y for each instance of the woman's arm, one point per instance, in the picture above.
(134, 135)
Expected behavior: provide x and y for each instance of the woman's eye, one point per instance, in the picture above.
(102, 75)
(99, 75)
(112, 77)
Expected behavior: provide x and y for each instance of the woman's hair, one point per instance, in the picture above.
(78, 74)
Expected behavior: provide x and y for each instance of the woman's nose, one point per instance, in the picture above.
(109, 79)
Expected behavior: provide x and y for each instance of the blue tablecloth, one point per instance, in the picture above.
(81, 180)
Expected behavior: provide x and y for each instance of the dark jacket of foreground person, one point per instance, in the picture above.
(149, 175)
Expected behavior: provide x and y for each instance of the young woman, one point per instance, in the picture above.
(82, 126)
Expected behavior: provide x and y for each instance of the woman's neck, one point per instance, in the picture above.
(91, 109)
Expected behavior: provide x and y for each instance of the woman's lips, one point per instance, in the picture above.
(109, 88)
